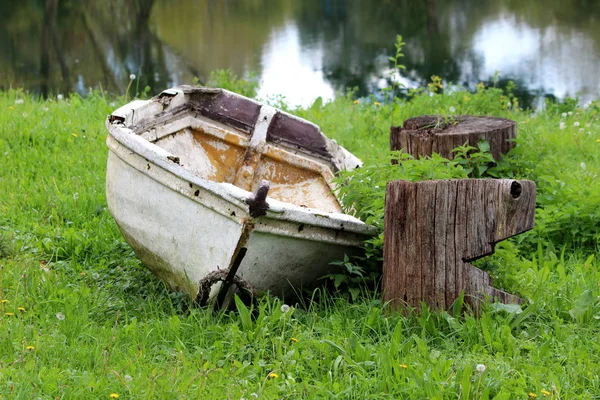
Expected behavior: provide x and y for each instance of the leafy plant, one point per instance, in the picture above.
(397, 67)
(478, 162)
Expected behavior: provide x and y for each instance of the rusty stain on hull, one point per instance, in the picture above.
(295, 185)
(226, 157)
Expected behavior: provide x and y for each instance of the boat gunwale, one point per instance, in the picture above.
(234, 195)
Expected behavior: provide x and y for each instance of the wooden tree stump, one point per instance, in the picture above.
(428, 134)
(433, 228)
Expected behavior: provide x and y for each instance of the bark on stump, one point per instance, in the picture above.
(428, 134)
(433, 228)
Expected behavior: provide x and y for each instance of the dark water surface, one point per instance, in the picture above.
(300, 48)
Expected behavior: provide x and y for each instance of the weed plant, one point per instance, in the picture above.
(81, 318)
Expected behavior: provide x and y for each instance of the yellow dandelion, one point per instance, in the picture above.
(3, 301)
(272, 375)
(11, 108)
(114, 396)
(597, 140)
(355, 102)
(403, 366)
(9, 314)
(21, 309)
(82, 273)
(545, 392)
(30, 347)
(294, 340)
(74, 134)
(532, 395)
(378, 104)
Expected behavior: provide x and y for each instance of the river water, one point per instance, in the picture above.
(301, 49)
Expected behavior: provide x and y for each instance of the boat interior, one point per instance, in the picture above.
(222, 154)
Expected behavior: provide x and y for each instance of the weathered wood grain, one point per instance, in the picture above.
(425, 208)
(434, 228)
(439, 243)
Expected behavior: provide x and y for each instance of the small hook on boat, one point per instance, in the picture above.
(258, 202)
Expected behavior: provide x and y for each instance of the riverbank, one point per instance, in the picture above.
(82, 318)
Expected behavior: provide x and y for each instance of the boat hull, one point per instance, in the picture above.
(184, 233)
(183, 178)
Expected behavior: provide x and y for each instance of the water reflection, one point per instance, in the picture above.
(549, 60)
(293, 70)
(299, 49)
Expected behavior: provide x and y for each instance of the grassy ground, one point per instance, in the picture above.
(82, 318)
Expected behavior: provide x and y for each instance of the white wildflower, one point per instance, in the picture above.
(452, 109)
(59, 97)
(570, 113)
(132, 77)
(60, 316)
(95, 275)
(564, 115)
(128, 378)
(480, 368)
(19, 101)
(581, 130)
(562, 125)
(583, 166)
(285, 308)
(576, 123)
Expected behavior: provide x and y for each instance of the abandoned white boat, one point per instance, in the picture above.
(208, 185)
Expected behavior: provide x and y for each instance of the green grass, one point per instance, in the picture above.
(82, 318)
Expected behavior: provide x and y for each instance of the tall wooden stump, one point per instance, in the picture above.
(428, 134)
(433, 228)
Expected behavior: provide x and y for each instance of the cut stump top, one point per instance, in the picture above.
(459, 125)
(428, 134)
